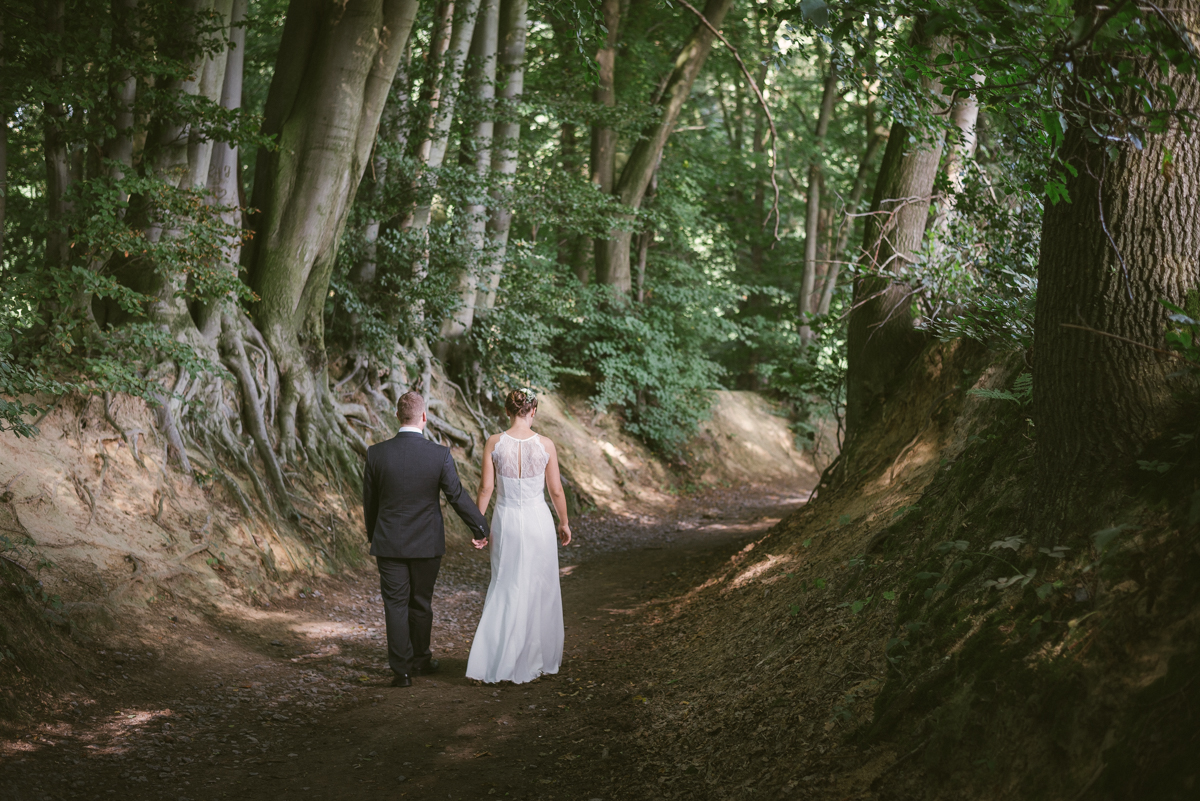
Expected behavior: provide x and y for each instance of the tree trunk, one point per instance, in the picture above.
(3, 148)
(334, 71)
(1126, 240)
(881, 339)
(612, 254)
(875, 140)
(477, 152)
(505, 140)
(812, 217)
(432, 151)
(223, 163)
(58, 174)
(603, 157)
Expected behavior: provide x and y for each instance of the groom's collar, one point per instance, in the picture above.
(410, 431)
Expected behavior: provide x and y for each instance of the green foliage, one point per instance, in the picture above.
(651, 360)
(1021, 393)
(1183, 337)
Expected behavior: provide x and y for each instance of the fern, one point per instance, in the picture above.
(1021, 393)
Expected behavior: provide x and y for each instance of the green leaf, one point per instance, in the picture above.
(889, 596)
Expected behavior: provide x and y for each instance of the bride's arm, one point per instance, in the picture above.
(487, 483)
(487, 477)
(557, 496)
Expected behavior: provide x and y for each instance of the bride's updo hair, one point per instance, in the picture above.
(520, 402)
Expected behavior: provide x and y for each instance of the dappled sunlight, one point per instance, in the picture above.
(758, 569)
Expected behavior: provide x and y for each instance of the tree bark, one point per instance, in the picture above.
(612, 254)
(477, 152)
(334, 71)
(432, 151)
(223, 163)
(602, 167)
(58, 174)
(505, 140)
(1126, 240)
(603, 164)
(881, 339)
(875, 139)
(812, 217)
(3, 148)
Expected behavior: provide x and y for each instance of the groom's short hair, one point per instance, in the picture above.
(409, 407)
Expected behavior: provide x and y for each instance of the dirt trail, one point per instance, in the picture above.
(292, 701)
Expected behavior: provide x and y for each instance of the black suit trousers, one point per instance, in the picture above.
(407, 589)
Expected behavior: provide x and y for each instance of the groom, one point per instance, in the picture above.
(401, 483)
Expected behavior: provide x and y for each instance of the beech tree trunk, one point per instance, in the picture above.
(335, 68)
(477, 155)
(1126, 240)
(875, 140)
(812, 229)
(58, 174)
(505, 141)
(432, 151)
(223, 163)
(3, 150)
(612, 254)
(881, 339)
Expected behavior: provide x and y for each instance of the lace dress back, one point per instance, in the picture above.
(520, 458)
(520, 470)
(520, 633)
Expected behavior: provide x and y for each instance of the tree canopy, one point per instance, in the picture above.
(269, 219)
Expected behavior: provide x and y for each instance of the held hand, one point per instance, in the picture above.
(564, 533)
(480, 544)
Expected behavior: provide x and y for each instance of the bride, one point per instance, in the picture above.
(520, 634)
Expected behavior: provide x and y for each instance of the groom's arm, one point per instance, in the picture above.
(370, 498)
(461, 502)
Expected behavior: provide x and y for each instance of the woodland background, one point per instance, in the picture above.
(964, 235)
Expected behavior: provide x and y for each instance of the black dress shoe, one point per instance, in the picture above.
(402, 680)
(433, 667)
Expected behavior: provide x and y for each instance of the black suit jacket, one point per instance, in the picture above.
(401, 485)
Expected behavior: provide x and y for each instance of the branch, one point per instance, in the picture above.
(1164, 352)
(761, 101)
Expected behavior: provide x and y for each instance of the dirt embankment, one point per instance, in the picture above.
(908, 635)
(103, 530)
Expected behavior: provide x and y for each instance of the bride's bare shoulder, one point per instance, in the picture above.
(547, 443)
(492, 440)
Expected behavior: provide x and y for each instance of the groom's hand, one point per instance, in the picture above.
(480, 544)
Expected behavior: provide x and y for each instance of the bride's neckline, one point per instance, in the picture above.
(514, 439)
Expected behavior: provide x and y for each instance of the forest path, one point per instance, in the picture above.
(293, 702)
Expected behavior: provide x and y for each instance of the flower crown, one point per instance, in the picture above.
(527, 395)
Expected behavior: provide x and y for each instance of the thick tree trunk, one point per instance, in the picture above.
(808, 304)
(1126, 240)
(334, 71)
(477, 152)
(881, 339)
(505, 140)
(612, 255)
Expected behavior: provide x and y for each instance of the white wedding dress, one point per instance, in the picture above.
(520, 634)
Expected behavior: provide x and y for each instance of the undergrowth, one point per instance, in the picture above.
(1010, 659)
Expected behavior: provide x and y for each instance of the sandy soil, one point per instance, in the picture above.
(291, 701)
